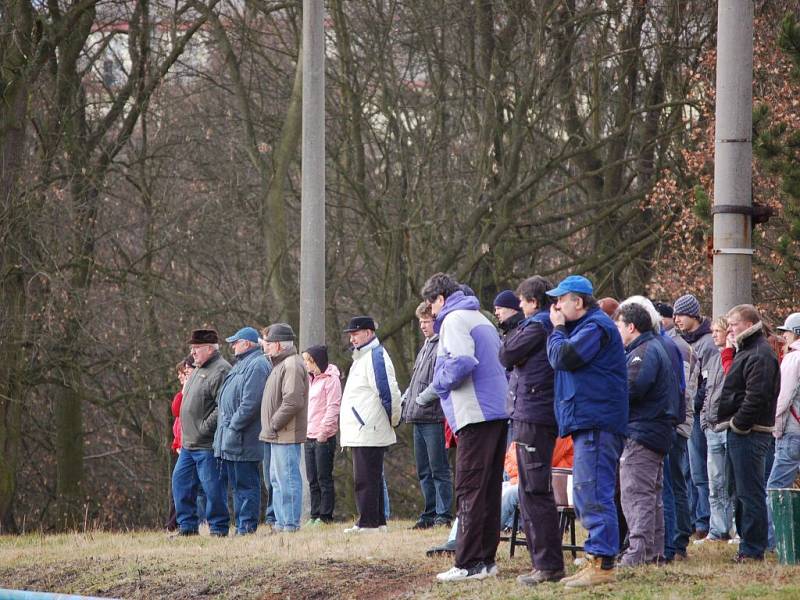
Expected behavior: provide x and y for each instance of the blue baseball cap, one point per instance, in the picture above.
(245, 333)
(576, 284)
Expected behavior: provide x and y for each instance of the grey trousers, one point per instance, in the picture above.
(641, 476)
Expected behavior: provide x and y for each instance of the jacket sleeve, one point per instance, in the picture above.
(517, 347)
(293, 393)
(209, 424)
(641, 373)
(571, 353)
(394, 389)
(457, 360)
(790, 378)
(333, 401)
(759, 377)
(250, 406)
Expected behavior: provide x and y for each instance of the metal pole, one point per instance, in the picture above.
(733, 156)
(312, 229)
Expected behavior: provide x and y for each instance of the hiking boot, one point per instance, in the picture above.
(446, 548)
(592, 574)
(185, 533)
(439, 522)
(536, 577)
(422, 524)
(456, 574)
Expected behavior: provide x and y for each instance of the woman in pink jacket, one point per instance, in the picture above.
(324, 399)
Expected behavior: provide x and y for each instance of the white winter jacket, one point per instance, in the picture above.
(363, 419)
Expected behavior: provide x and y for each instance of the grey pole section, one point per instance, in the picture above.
(312, 234)
(732, 211)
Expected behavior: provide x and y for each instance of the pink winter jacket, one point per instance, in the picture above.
(324, 399)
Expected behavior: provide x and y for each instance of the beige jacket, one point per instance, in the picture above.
(284, 407)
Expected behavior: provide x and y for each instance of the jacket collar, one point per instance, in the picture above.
(747, 334)
(693, 336)
(246, 355)
(211, 360)
(283, 355)
(366, 348)
(511, 323)
(647, 335)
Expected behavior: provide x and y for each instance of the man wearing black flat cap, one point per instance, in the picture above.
(196, 464)
(369, 412)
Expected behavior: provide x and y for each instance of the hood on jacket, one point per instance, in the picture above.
(331, 371)
(282, 355)
(455, 301)
(703, 329)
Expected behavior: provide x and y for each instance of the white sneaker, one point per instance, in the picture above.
(708, 540)
(735, 540)
(357, 529)
(456, 574)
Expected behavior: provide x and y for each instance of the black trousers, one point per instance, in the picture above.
(479, 479)
(368, 479)
(319, 471)
(537, 505)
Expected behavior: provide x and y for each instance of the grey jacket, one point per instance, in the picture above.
(199, 406)
(420, 379)
(691, 370)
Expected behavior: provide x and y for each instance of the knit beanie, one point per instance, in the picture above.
(320, 356)
(665, 310)
(507, 299)
(687, 305)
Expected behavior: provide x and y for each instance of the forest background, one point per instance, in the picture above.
(149, 181)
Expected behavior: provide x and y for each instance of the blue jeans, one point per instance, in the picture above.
(508, 502)
(245, 480)
(287, 483)
(679, 482)
(594, 481)
(721, 521)
(433, 471)
(784, 472)
(269, 516)
(196, 469)
(697, 462)
(746, 459)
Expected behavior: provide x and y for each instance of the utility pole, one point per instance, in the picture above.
(733, 157)
(312, 227)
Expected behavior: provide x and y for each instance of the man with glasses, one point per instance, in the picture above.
(196, 464)
(238, 425)
(422, 408)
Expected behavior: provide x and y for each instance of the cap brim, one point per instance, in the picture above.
(782, 328)
(555, 292)
(232, 339)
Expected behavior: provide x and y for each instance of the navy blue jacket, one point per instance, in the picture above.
(239, 401)
(591, 386)
(653, 393)
(530, 387)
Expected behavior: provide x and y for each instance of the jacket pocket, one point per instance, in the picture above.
(232, 441)
(358, 417)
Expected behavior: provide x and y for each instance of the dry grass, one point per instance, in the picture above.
(325, 563)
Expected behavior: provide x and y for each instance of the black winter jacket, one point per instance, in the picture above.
(530, 387)
(751, 386)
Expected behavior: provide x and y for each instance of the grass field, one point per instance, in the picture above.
(325, 563)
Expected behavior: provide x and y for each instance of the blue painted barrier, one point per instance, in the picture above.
(28, 595)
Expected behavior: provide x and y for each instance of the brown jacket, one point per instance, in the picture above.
(284, 407)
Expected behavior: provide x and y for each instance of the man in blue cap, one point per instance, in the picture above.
(238, 426)
(591, 402)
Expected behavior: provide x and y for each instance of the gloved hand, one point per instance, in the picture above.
(426, 396)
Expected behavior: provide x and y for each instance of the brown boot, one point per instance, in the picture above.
(592, 574)
(585, 565)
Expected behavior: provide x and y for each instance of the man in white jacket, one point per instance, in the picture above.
(370, 410)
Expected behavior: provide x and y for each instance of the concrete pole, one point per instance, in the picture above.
(312, 229)
(733, 156)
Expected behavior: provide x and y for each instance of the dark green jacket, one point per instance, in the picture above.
(199, 407)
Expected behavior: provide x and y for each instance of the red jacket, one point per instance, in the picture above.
(176, 426)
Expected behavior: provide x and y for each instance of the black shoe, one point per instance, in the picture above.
(536, 577)
(745, 558)
(446, 548)
(422, 524)
(219, 534)
(442, 523)
(187, 532)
